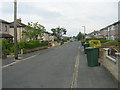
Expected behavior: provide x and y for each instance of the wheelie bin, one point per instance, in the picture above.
(92, 56)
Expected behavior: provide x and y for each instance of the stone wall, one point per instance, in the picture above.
(109, 63)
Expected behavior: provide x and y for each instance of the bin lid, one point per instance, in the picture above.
(86, 43)
(90, 48)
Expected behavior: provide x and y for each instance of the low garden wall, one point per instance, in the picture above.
(34, 49)
(110, 63)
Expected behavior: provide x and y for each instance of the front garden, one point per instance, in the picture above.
(8, 48)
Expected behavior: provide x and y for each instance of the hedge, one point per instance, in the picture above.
(104, 41)
(32, 44)
(8, 48)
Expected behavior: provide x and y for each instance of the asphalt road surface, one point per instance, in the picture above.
(63, 66)
(52, 69)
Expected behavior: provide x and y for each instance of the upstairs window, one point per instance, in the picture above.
(5, 28)
(0, 27)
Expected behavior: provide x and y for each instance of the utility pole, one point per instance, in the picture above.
(84, 30)
(15, 30)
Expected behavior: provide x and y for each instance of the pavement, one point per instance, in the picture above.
(23, 56)
(94, 77)
(63, 66)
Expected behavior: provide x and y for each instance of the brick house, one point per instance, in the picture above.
(20, 28)
(111, 32)
(48, 37)
(4, 30)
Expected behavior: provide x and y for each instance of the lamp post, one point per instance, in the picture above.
(15, 30)
(84, 31)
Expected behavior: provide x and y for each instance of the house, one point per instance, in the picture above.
(111, 32)
(20, 28)
(95, 35)
(4, 30)
(48, 37)
(104, 32)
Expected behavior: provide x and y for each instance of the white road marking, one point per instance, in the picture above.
(75, 73)
(17, 61)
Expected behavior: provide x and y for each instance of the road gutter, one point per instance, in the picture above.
(75, 72)
(17, 61)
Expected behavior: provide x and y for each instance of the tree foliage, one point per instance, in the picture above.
(33, 30)
(58, 32)
(80, 36)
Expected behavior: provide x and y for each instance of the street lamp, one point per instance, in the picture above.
(84, 30)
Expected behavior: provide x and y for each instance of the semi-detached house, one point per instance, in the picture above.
(4, 30)
(20, 27)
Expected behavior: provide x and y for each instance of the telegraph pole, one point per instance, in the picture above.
(15, 30)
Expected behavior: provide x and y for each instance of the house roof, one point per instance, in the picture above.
(3, 35)
(94, 32)
(110, 25)
(3, 21)
(19, 24)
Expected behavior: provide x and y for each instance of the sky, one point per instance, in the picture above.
(70, 14)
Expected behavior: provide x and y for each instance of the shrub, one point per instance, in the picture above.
(104, 41)
(32, 44)
(8, 48)
(5, 47)
(4, 44)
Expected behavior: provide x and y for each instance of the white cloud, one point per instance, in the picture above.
(61, 0)
(72, 14)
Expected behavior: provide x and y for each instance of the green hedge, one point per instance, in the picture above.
(8, 48)
(104, 41)
(32, 44)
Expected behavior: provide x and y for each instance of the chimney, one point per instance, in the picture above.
(19, 20)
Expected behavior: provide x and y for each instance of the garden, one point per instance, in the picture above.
(8, 48)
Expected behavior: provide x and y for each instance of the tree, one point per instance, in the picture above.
(58, 32)
(33, 30)
(80, 36)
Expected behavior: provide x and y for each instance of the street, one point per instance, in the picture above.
(58, 67)
(51, 69)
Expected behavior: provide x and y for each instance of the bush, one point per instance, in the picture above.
(3, 47)
(57, 40)
(65, 39)
(8, 48)
(32, 44)
(104, 41)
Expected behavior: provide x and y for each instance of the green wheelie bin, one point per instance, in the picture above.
(82, 42)
(92, 56)
(85, 46)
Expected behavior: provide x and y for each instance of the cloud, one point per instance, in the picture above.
(29, 9)
(69, 14)
(61, 1)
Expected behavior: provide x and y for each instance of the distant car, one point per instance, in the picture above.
(72, 40)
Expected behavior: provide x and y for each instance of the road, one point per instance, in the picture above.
(63, 66)
(52, 69)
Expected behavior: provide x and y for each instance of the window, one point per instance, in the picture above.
(111, 52)
(112, 55)
(5, 28)
(0, 27)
